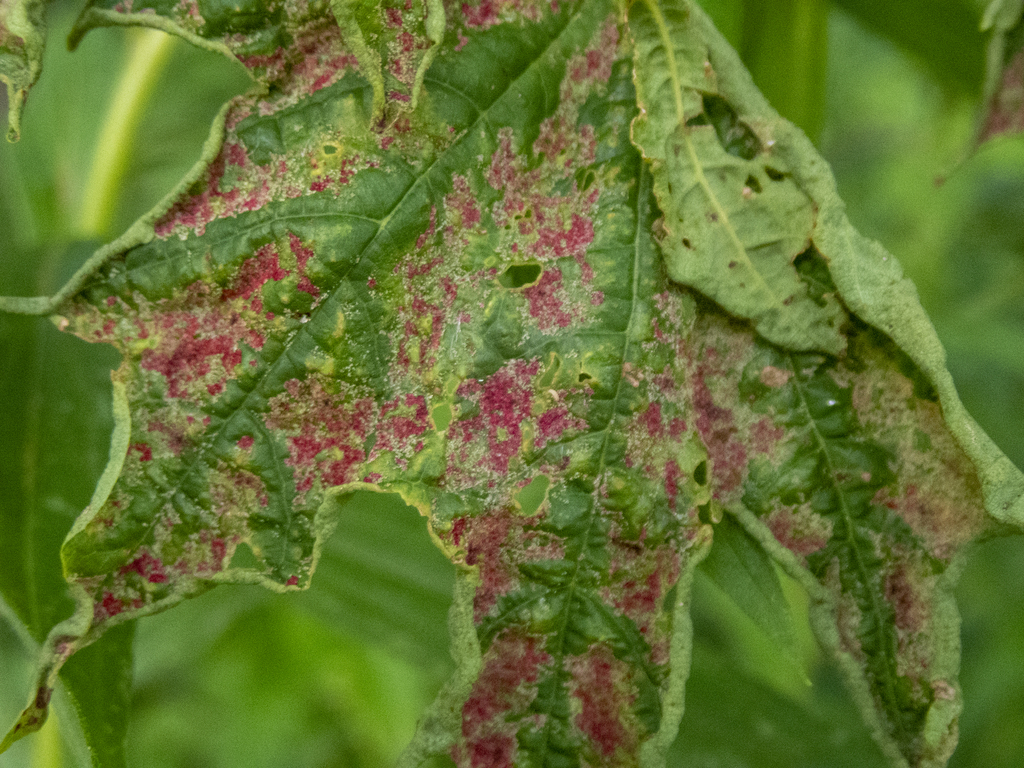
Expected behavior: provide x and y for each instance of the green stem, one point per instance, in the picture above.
(146, 61)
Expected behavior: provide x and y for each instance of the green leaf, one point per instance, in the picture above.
(22, 35)
(352, 348)
(735, 218)
(841, 490)
(50, 460)
(742, 569)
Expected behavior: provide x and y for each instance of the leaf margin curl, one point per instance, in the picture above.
(22, 40)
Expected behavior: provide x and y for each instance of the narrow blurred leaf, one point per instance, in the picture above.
(56, 429)
(739, 566)
(100, 686)
(785, 46)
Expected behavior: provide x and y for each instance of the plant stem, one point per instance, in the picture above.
(46, 752)
(146, 60)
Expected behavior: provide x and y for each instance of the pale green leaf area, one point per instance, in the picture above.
(449, 149)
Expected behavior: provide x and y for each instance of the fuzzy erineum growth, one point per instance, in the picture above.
(558, 276)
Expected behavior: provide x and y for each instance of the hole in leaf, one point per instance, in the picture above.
(584, 377)
(700, 473)
(585, 177)
(531, 496)
(244, 557)
(735, 136)
(441, 415)
(813, 270)
(704, 513)
(519, 275)
(774, 173)
(330, 149)
(753, 184)
(687, 243)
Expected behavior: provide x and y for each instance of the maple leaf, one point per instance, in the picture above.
(558, 277)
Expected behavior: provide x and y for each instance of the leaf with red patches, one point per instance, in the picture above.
(571, 297)
(822, 432)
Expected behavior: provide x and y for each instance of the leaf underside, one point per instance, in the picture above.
(585, 296)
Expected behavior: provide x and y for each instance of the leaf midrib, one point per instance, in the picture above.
(863, 573)
(628, 335)
(695, 163)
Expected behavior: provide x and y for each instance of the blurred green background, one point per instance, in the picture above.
(337, 676)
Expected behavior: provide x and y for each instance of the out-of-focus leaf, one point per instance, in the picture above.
(22, 38)
(738, 565)
(728, 18)
(382, 580)
(312, 696)
(993, 678)
(55, 431)
(945, 35)
(734, 720)
(785, 47)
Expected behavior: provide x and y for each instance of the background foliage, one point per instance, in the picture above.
(331, 679)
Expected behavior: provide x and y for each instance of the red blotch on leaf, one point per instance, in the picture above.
(145, 452)
(718, 430)
(190, 360)
(504, 402)
(494, 751)
(545, 303)
(148, 567)
(109, 606)
(458, 528)
(254, 272)
(604, 703)
(652, 420)
(484, 544)
(219, 550)
(672, 477)
(480, 16)
(506, 684)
